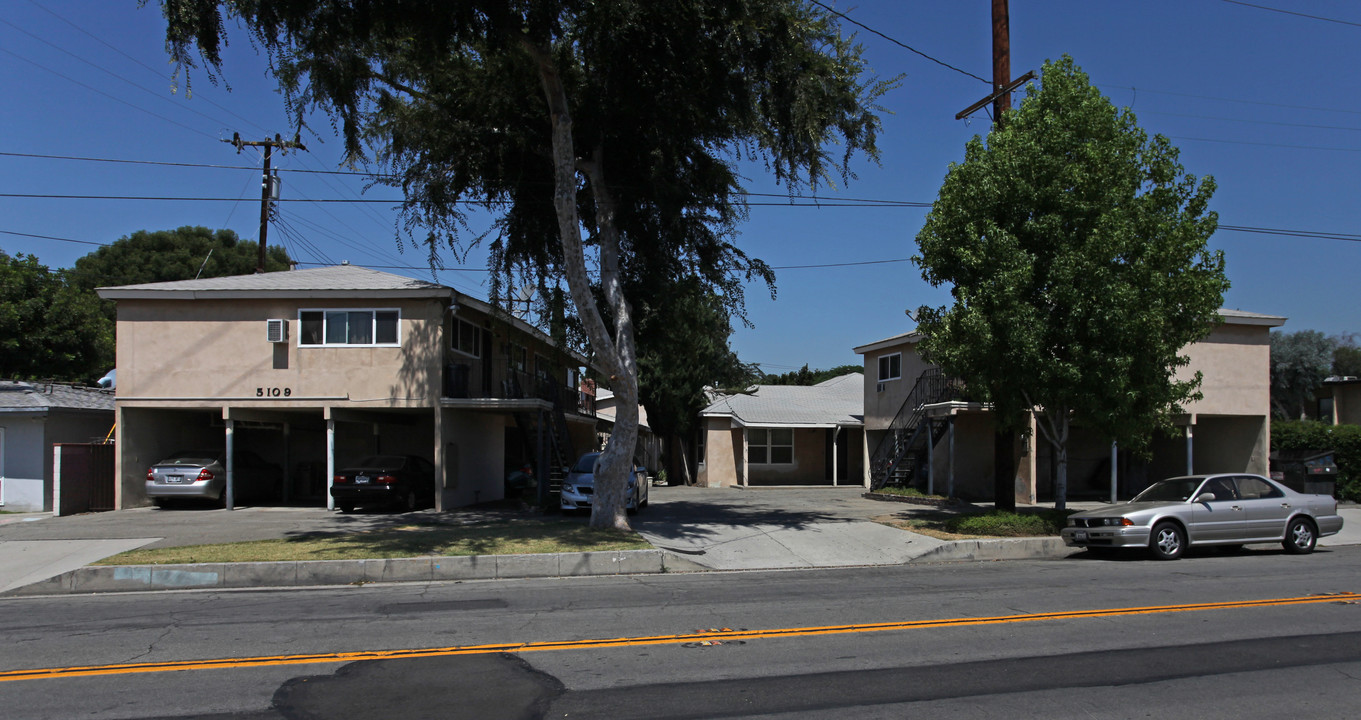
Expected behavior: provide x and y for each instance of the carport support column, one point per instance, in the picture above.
(330, 462)
(835, 431)
(1190, 451)
(231, 463)
(1115, 450)
(930, 459)
(950, 478)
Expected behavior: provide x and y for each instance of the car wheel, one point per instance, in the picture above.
(1300, 537)
(1168, 542)
(345, 507)
(409, 503)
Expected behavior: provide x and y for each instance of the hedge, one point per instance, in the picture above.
(1343, 440)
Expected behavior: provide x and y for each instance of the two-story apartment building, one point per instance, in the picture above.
(917, 422)
(312, 369)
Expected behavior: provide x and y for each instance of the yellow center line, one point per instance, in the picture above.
(721, 634)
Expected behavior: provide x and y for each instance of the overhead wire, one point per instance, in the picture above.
(897, 42)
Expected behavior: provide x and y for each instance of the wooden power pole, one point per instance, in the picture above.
(266, 180)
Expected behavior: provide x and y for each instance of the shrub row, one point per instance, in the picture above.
(1343, 440)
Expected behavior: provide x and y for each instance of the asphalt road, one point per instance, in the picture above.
(1080, 637)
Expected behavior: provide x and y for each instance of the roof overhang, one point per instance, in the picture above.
(910, 338)
(114, 293)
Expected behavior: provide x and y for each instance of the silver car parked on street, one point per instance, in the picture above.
(1227, 510)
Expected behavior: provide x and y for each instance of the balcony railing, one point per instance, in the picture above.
(509, 384)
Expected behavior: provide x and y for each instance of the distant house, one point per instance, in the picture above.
(33, 417)
(785, 435)
(919, 429)
(1340, 399)
(314, 369)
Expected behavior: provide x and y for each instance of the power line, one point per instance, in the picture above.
(1232, 100)
(1264, 144)
(899, 43)
(1292, 12)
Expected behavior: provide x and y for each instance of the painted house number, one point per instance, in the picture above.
(273, 392)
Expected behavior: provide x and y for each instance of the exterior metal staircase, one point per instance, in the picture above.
(904, 446)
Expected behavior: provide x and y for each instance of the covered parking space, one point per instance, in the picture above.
(301, 447)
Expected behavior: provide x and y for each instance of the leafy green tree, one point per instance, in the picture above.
(164, 255)
(1346, 356)
(1299, 363)
(683, 350)
(1075, 248)
(605, 134)
(49, 330)
(804, 376)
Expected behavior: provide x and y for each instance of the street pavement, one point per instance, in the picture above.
(697, 529)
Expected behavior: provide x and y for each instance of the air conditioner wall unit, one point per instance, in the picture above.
(277, 330)
(879, 387)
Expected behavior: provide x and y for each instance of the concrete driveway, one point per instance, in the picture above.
(768, 528)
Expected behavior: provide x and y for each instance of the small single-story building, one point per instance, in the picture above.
(314, 369)
(34, 416)
(918, 426)
(784, 435)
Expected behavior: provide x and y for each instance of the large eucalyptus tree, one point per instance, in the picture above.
(604, 134)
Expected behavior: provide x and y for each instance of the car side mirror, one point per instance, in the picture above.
(1205, 497)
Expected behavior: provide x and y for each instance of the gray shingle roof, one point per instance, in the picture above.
(347, 280)
(839, 401)
(18, 396)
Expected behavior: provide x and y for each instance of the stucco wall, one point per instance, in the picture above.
(883, 400)
(22, 484)
(1346, 403)
(1235, 365)
(218, 349)
(474, 456)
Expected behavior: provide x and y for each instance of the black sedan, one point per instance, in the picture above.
(406, 482)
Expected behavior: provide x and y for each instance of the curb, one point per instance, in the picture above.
(300, 573)
(1042, 548)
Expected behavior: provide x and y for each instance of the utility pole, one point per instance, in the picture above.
(1002, 84)
(1004, 442)
(267, 180)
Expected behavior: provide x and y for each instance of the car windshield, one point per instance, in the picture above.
(586, 464)
(381, 461)
(1173, 490)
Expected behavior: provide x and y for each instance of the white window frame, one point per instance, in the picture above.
(457, 335)
(770, 445)
(889, 356)
(373, 327)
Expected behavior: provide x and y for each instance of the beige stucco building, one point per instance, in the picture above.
(946, 442)
(311, 369)
(784, 435)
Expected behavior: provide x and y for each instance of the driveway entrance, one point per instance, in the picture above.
(772, 528)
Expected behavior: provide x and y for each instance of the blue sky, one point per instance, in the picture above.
(1262, 100)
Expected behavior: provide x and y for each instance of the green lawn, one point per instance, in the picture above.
(439, 540)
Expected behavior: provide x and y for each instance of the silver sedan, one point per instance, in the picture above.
(1228, 509)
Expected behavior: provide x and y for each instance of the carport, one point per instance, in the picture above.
(307, 443)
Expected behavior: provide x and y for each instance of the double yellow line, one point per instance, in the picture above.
(714, 636)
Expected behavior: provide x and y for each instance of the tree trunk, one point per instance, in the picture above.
(1004, 470)
(616, 355)
(1061, 459)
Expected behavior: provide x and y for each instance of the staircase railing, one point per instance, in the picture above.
(886, 463)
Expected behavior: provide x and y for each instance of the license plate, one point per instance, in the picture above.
(361, 480)
(1080, 535)
(174, 478)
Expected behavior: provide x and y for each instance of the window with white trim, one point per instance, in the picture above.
(467, 338)
(890, 367)
(350, 328)
(773, 446)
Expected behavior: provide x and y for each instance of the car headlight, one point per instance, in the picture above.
(1121, 521)
(568, 489)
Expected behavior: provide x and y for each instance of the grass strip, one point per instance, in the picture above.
(437, 540)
